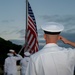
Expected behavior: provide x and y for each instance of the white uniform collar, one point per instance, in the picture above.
(50, 45)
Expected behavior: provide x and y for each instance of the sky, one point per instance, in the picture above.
(13, 15)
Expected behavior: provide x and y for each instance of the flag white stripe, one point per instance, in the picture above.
(31, 22)
(31, 45)
(30, 38)
(33, 30)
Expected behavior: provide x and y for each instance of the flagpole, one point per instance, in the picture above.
(25, 28)
(26, 23)
(26, 14)
(29, 37)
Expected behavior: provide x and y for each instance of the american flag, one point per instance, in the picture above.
(32, 35)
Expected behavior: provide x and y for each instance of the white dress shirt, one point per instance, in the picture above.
(23, 63)
(52, 60)
(10, 64)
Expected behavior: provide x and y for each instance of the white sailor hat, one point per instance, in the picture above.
(52, 27)
(27, 54)
(11, 50)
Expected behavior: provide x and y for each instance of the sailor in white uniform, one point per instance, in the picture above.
(10, 67)
(52, 59)
(24, 62)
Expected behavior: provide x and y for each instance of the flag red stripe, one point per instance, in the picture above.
(30, 20)
(32, 30)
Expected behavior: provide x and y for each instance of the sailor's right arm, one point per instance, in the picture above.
(67, 41)
(18, 57)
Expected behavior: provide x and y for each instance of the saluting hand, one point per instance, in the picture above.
(67, 41)
(64, 40)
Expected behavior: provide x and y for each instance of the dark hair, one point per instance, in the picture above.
(52, 33)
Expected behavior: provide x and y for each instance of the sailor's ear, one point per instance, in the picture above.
(44, 36)
(59, 37)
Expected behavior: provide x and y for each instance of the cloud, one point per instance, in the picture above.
(7, 21)
(59, 18)
(67, 20)
(69, 36)
(22, 33)
(19, 42)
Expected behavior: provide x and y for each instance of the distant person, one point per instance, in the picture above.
(52, 59)
(10, 67)
(24, 62)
